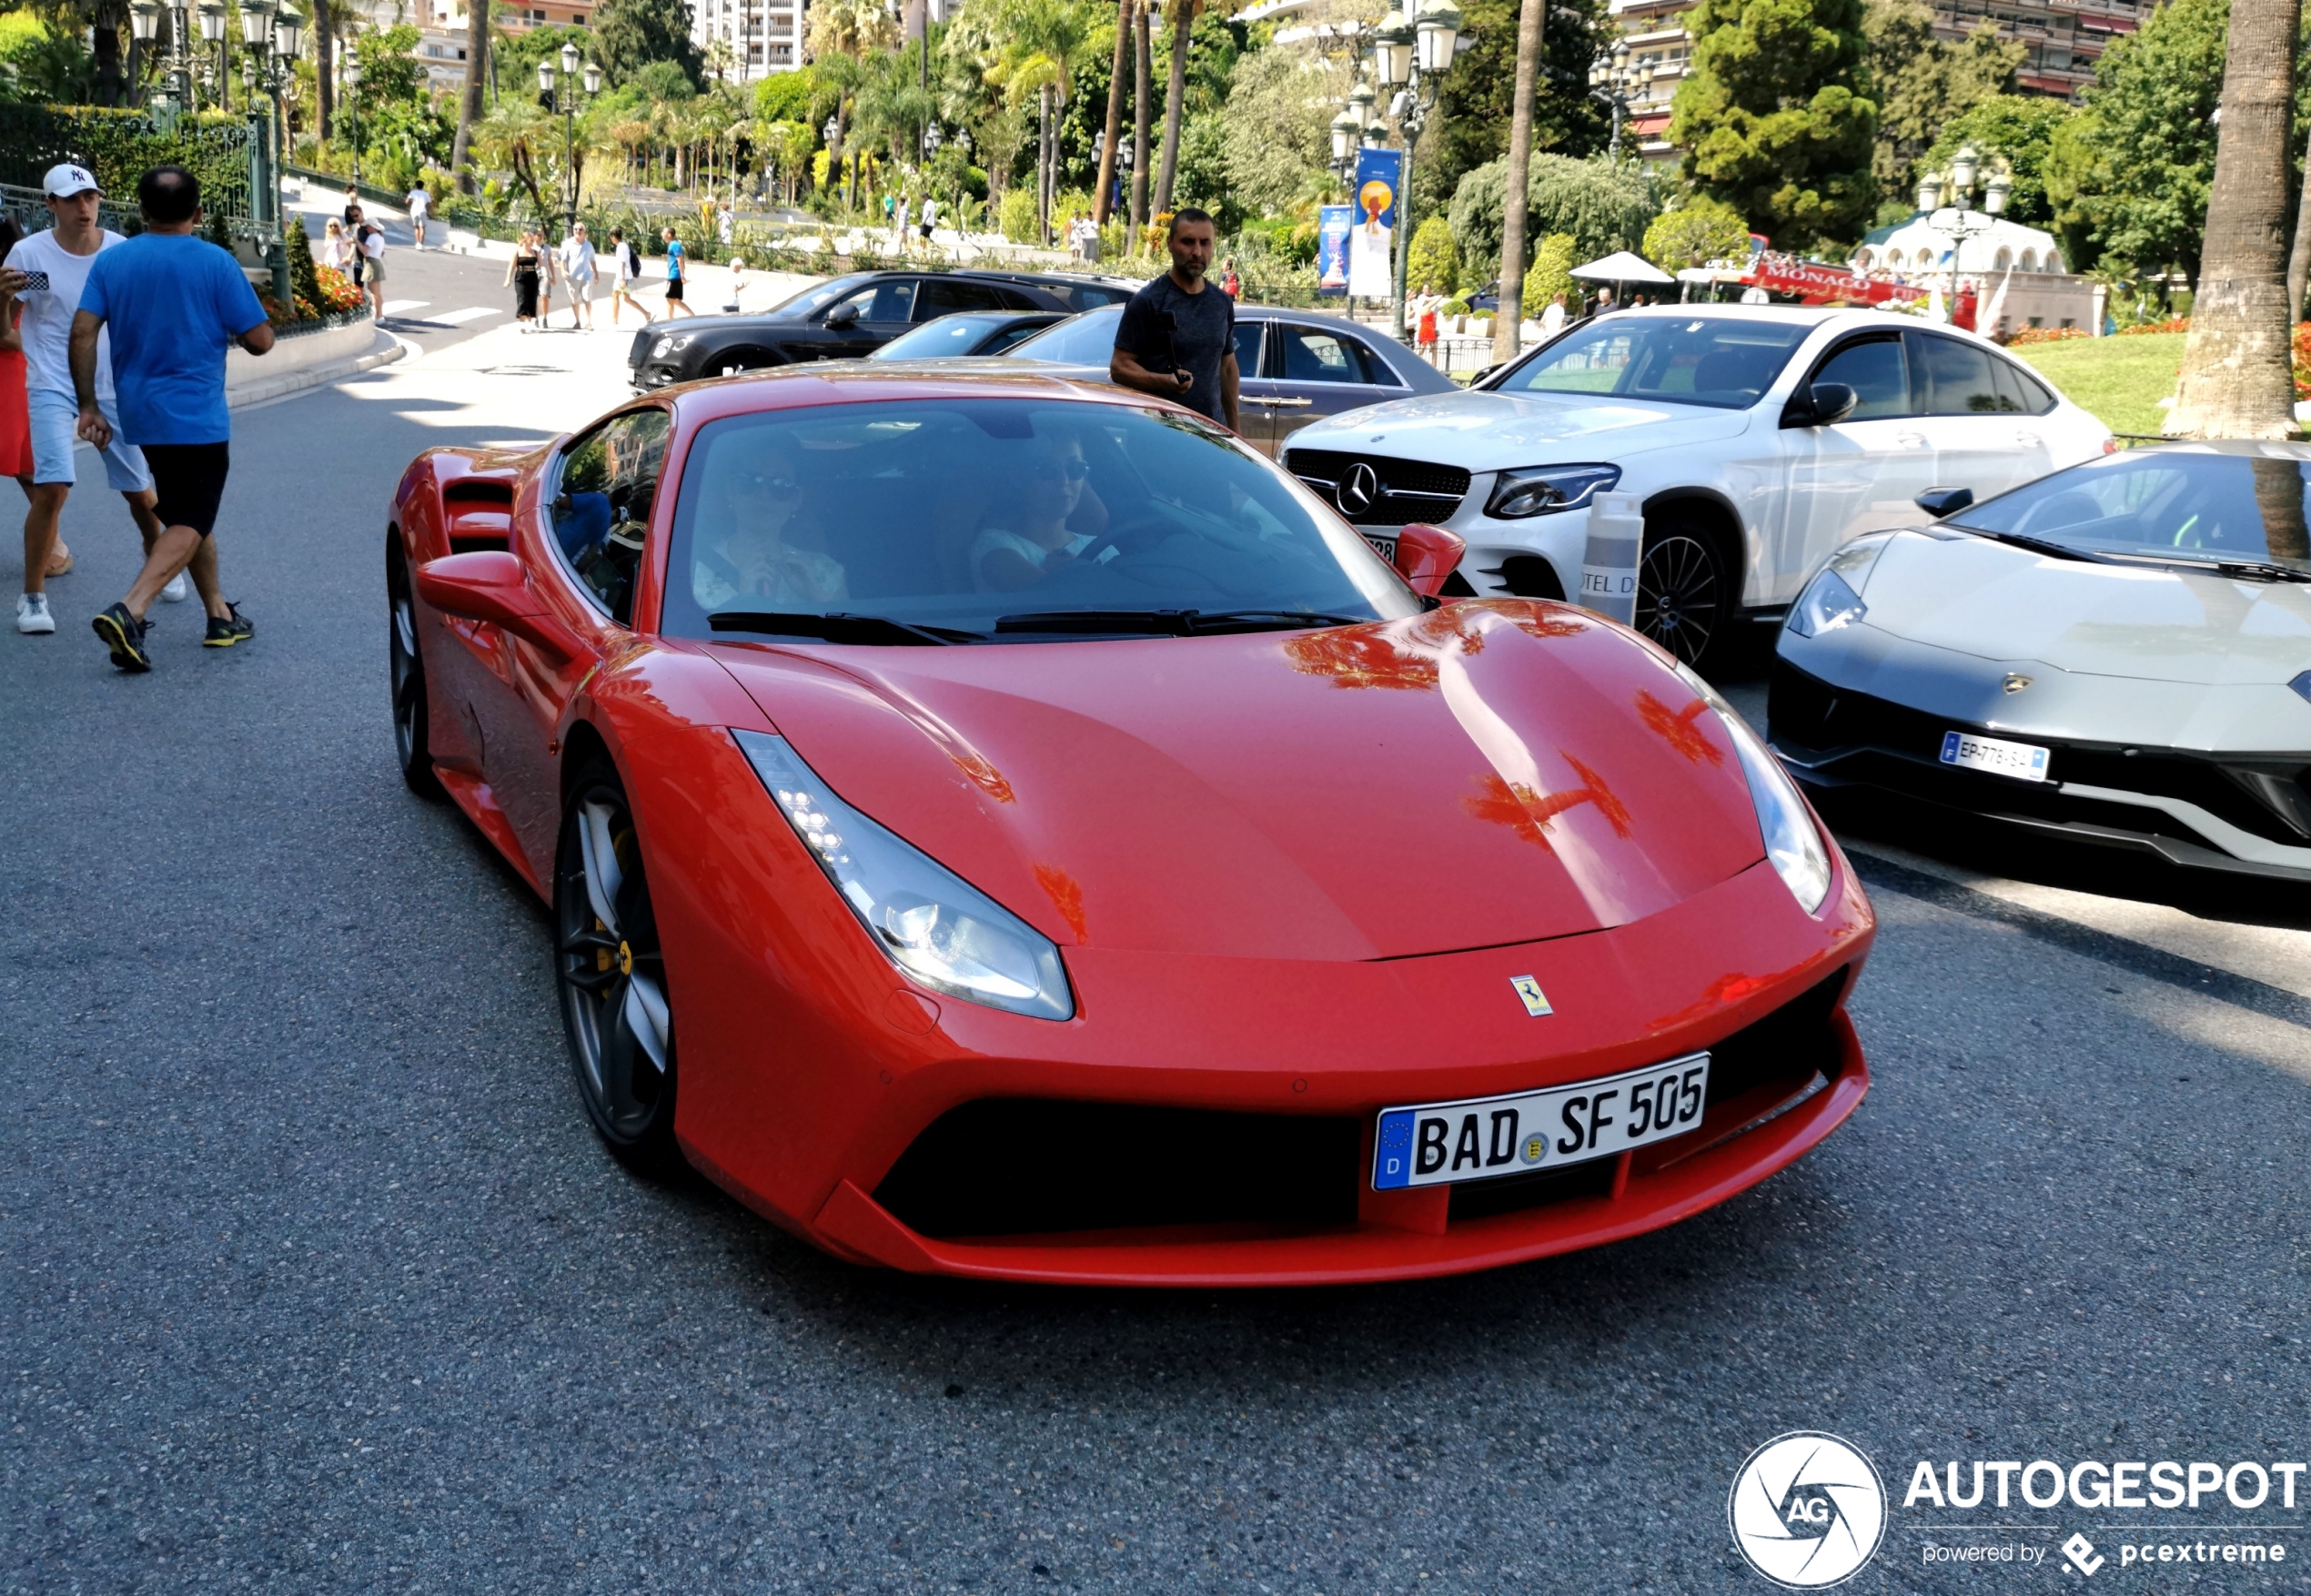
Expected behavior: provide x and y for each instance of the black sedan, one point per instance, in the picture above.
(967, 332)
(850, 317)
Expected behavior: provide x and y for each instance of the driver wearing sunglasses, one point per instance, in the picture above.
(755, 486)
(1031, 538)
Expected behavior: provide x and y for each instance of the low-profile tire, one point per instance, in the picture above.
(616, 1007)
(1684, 589)
(405, 675)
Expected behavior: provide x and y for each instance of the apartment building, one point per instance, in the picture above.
(763, 35)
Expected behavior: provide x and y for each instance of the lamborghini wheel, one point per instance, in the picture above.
(413, 744)
(615, 1004)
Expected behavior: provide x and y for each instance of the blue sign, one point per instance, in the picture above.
(1333, 224)
(1372, 238)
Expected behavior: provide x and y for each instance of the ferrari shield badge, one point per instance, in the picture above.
(1536, 1000)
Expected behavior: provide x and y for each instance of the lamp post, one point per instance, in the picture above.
(173, 94)
(561, 94)
(352, 72)
(273, 40)
(1619, 85)
(217, 72)
(1411, 56)
(1959, 220)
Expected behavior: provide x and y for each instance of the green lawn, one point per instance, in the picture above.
(2119, 380)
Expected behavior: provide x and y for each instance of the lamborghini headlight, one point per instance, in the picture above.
(1792, 843)
(927, 920)
(1826, 603)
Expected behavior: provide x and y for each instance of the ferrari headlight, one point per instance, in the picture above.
(1826, 603)
(927, 920)
(1546, 489)
(1792, 843)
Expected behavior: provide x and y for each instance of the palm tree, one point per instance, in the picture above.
(1509, 318)
(1143, 109)
(470, 111)
(1114, 114)
(1176, 98)
(2238, 368)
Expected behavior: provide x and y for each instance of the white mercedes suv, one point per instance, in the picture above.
(1758, 438)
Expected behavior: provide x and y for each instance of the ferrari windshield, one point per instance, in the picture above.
(2186, 505)
(1722, 361)
(1080, 340)
(1017, 516)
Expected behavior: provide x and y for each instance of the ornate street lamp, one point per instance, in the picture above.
(560, 93)
(1619, 85)
(269, 65)
(1392, 48)
(1949, 201)
(1437, 32)
(1410, 54)
(1360, 99)
(215, 25)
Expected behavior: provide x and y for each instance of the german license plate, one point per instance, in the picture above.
(2025, 762)
(1480, 1138)
(1386, 546)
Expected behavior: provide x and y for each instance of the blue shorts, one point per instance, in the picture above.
(54, 417)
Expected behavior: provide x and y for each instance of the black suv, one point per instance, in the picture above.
(849, 317)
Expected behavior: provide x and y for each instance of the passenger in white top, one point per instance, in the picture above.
(1036, 539)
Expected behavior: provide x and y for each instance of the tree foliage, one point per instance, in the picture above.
(2023, 129)
(1604, 207)
(1923, 83)
(1774, 119)
(1551, 274)
(1699, 231)
(630, 33)
(1430, 260)
(1278, 125)
(1470, 127)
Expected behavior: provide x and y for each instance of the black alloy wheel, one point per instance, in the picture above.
(615, 1004)
(412, 736)
(1682, 597)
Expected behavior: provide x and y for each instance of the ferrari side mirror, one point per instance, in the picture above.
(1939, 503)
(491, 587)
(1427, 555)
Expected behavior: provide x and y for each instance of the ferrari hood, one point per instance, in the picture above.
(1500, 431)
(1491, 773)
(1999, 603)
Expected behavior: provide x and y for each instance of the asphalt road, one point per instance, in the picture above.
(313, 1277)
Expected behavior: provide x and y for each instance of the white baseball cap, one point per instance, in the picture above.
(65, 181)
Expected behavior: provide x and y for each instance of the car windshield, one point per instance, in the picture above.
(2178, 503)
(949, 335)
(962, 513)
(1080, 340)
(817, 297)
(1722, 361)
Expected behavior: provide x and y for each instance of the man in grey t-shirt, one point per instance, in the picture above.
(1177, 338)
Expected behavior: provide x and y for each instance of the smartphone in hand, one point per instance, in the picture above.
(35, 282)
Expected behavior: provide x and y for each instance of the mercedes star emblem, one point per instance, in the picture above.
(1359, 488)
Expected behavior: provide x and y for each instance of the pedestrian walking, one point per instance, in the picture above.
(626, 273)
(353, 223)
(578, 270)
(549, 277)
(1427, 307)
(174, 303)
(55, 265)
(727, 226)
(335, 254)
(677, 274)
(899, 234)
(930, 216)
(521, 272)
(15, 407)
(1552, 317)
(352, 206)
(370, 241)
(1177, 338)
(738, 284)
(420, 207)
(1230, 283)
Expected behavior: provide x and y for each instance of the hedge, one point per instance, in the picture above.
(120, 146)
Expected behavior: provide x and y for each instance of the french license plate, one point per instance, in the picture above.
(1479, 1138)
(2025, 762)
(1387, 546)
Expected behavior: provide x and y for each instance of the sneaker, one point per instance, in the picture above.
(32, 615)
(233, 628)
(125, 635)
(178, 590)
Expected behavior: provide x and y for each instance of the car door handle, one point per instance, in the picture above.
(1911, 440)
(2028, 439)
(1289, 404)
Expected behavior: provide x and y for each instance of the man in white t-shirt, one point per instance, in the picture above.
(421, 207)
(57, 262)
(578, 270)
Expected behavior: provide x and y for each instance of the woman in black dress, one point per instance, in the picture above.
(521, 271)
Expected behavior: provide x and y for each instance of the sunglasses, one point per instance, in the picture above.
(1048, 470)
(762, 483)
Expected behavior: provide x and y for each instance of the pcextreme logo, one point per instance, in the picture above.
(1807, 1510)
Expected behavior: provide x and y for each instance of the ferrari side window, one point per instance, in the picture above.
(602, 504)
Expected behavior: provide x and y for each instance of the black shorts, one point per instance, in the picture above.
(675, 289)
(188, 483)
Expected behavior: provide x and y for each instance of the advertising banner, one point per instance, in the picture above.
(1372, 243)
(1333, 225)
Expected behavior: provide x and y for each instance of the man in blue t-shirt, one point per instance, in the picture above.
(174, 304)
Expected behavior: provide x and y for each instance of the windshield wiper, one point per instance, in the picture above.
(2037, 545)
(2258, 570)
(1170, 622)
(839, 626)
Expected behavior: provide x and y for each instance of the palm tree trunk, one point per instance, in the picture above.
(1142, 117)
(1507, 319)
(324, 54)
(470, 104)
(1043, 164)
(1099, 205)
(1175, 101)
(2300, 259)
(2237, 378)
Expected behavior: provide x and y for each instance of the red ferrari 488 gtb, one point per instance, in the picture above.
(1000, 827)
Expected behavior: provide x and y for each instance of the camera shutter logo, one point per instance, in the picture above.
(1359, 488)
(1807, 1510)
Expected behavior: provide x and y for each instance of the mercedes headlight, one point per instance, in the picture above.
(1546, 489)
(1792, 843)
(927, 920)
